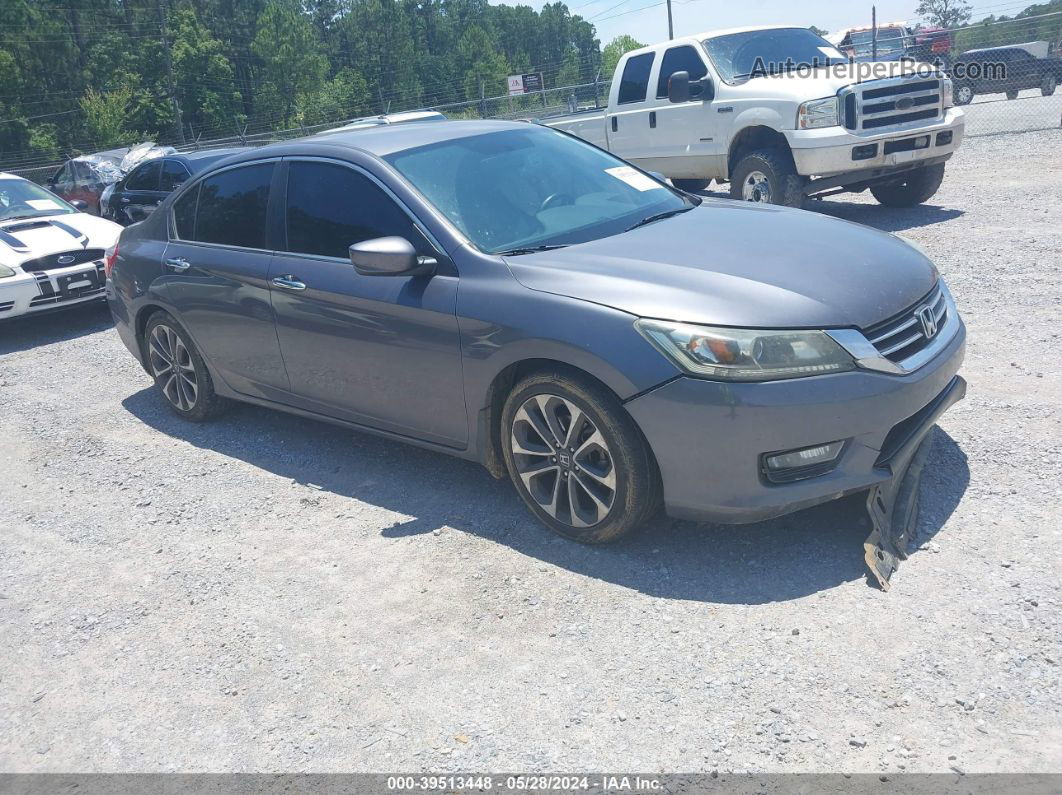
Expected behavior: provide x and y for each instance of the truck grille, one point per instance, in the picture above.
(905, 334)
(64, 259)
(888, 103)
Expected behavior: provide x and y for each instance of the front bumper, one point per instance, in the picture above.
(28, 293)
(828, 151)
(708, 436)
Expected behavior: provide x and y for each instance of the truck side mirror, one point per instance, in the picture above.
(681, 89)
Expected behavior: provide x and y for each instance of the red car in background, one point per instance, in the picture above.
(83, 179)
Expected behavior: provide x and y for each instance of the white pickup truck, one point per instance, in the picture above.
(780, 114)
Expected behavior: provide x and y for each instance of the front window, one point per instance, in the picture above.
(22, 199)
(740, 56)
(533, 188)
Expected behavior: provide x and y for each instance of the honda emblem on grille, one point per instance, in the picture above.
(928, 320)
(66, 259)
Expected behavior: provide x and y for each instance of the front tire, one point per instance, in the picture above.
(1049, 84)
(916, 187)
(691, 185)
(767, 176)
(577, 459)
(964, 95)
(179, 371)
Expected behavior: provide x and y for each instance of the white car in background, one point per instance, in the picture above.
(51, 254)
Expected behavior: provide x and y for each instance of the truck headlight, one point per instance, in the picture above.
(6, 271)
(819, 113)
(746, 354)
(947, 92)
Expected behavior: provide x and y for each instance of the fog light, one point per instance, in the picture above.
(864, 152)
(804, 463)
(944, 138)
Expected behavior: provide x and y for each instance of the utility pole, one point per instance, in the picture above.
(873, 33)
(670, 23)
(178, 122)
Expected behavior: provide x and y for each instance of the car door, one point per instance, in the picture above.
(216, 268)
(629, 132)
(686, 132)
(382, 351)
(139, 194)
(1025, 70)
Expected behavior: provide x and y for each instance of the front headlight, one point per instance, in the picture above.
(5, 272)
(746, 354)
(947, 92)
(819, 113)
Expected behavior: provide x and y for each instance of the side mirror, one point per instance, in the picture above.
(389, 256)
(77, 204)
(681, 89)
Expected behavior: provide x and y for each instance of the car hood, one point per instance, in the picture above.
(29, 238)
(734, 263)
(821, 82)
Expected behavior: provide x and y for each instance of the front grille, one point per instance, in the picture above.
(889, 103)
(904, 335)
(51, 262)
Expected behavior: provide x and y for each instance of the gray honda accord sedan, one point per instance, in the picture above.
(512, 295)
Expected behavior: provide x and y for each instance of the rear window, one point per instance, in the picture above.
(232, 207)
(634, 85)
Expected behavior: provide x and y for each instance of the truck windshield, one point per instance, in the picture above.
(520, 190)
(754, 53)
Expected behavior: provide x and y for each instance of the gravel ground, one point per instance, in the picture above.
(269, 593)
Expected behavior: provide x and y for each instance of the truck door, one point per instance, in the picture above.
(687, 134)
(629, 133)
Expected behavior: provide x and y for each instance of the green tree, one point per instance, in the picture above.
(293, 68)
(206, 87)
(105, 116)
(944, 13)
(614, 50)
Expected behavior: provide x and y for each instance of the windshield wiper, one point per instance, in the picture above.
(515, 252)
(659, 217)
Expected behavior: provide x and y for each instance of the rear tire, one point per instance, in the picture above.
(1049, 84)
(179, 371)
(577, 459)
(1012, 95)
(767, 176)
(691, 185)
(916, 187)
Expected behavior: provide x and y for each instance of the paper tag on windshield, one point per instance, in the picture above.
(42, 204)
(831, 52)
(636, 179)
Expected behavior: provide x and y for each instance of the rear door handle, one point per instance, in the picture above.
(288, 282)
(178, 264)
(125, 200)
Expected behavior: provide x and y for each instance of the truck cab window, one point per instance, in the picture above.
(679, 59)
(634, 85)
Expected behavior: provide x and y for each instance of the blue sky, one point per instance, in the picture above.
(615, 17)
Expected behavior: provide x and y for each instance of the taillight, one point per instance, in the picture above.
(109, 258)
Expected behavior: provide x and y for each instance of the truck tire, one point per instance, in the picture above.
(1049, 84)
(964, 95)
(1012, 94)
(767, 176)
(691, 185)
(916, 187)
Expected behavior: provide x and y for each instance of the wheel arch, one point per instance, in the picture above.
(751, 138)
(143, 315)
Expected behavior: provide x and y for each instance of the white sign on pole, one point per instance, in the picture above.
(516, 84)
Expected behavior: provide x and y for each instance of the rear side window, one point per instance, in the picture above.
(232, 207)
(184, 214)
(330, 207)
(635, 81)
(174, 174)
(679, 59)
(145, 178)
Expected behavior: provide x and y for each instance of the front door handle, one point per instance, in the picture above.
(178, 264)
(288, 282)
(125, 200)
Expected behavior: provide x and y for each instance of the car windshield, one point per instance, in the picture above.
(890, 42)
(739, 56)
(533, 188)
(22, 199)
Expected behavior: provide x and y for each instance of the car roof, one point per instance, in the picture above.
(210, 154)
(385, 140)
(6, 175)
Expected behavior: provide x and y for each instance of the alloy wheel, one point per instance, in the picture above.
(171, 364)
(756, 188)
(965, 94)
(563, 460)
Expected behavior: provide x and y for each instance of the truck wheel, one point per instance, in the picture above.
(768, 176)
(1012, 95)
(916, 187)
(964, 95)
(691, 185)
(1049, 84)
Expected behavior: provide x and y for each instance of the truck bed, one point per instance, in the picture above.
(587, 124)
